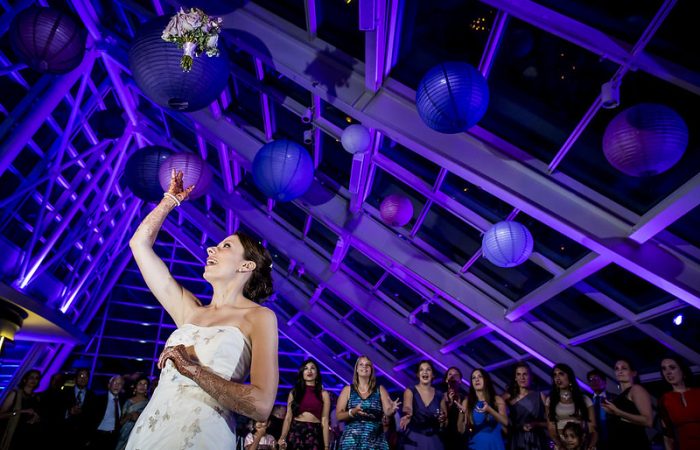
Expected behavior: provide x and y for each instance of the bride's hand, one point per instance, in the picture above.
(176, 187)
(184, 359)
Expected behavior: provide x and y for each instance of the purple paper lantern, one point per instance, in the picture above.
(155, 66)
(283, 170)
(396, 210)
(452, 97)
(355, 139)
(141, 172)
(195, 171)
(507, 244)
(48, 40)
(646, 139)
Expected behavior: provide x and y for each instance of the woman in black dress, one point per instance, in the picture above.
(630, 413)
(19, 417)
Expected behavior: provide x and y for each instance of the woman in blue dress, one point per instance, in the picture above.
(362, 406)
(422, 413)
(483, 414)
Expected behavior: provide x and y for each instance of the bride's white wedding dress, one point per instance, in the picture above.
(180, 415)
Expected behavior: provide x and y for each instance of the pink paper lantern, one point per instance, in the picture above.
(396, 210)
(195, 171)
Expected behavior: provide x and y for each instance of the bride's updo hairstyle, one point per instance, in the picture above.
(259, 285)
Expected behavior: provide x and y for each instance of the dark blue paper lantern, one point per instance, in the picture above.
(452, 97)
(195, 171)
(396, 210)
(646, 139)
(507, 244)
(141, 172)
(155, 66)
(48, 40)
(283, 170)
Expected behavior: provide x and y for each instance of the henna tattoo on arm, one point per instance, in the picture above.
(239, 398)
(149, 227)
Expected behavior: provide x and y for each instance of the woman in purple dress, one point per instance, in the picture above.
(422, 413)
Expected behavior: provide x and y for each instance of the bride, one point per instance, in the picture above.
(214, 347)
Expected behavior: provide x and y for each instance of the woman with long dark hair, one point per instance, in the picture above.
(422, 412)
(450, 405)
(362, 405)
(679, 408)
(19, 417)
(527, 424)
(132, 409)
(306, 424)
(215, 347)
(566, 403)
(483, 414)
(630, 413)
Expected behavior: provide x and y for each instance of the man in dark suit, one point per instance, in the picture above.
(79, 407)
(598, 383)
(107, 413)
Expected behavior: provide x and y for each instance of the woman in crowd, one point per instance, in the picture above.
(215, 347)
(527, 424)
(132, 410)
(483, 414)
(362, 406)
(679, 408)
(567, 403)
(421, 408)
(450, 404)
(630, 413)
(19, 418)
(306, 424)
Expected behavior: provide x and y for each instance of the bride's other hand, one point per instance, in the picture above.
(184, 359)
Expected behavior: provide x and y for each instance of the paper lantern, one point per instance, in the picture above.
(155, 66)
(48, 40)
(507, 244)
(283, 170)
(452, 97)
(355, 139)
(396, 210)
(646, 139)
(108, 124)
(195, 171)
(141, 172)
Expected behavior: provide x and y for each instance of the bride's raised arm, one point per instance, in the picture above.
(176, 300)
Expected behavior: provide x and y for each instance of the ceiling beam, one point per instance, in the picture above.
(544, 197)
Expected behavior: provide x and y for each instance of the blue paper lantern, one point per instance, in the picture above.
(646, 139)
(155, 66)
(452, 97)
(195, 171)
(141, 172)
(355, 139)
(283, 170)
(48, 40)
(396, 210)
(507, 244)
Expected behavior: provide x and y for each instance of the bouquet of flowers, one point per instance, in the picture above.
(195, 33)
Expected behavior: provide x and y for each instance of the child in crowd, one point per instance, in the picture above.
(573, 436)
(259, 438)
